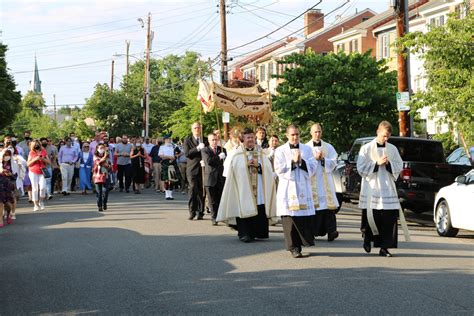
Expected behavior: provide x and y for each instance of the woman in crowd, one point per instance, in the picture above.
(101, 177)
(138, 156)
(85, 169)
(26, 179)
(37, 160)
(8, 176)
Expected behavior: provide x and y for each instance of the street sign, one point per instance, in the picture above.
(402, 101)
(225, 117)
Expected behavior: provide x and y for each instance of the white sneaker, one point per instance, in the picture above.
(36, 208)
(13, 216)
(41, 205)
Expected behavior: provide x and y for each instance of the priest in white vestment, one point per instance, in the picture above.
(295, 165)
(379, 164)
(324, 190)
(248, 198)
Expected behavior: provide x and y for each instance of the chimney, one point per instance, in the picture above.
(313, 21)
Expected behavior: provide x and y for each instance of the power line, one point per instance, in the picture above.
(265, 9)
(297, 31)
(276, 30)
(62, 67)
(263, 18)
(99, 24)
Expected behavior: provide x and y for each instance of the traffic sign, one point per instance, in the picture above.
(402, 101)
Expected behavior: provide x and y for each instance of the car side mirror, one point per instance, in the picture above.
(344, 156)
(460, 179)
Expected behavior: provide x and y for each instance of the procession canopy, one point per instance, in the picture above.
(237, 101)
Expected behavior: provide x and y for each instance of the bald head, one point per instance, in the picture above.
(316, 132)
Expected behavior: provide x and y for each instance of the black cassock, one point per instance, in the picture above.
(386, 221)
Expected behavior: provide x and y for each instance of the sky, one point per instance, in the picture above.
(75, 41)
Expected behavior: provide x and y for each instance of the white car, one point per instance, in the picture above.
(454, 206)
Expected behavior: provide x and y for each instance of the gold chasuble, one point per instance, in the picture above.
(242, 185)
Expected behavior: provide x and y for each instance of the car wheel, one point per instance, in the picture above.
(339, 200)
(443, 220)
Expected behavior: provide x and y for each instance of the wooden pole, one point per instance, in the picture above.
(112, 77)
(147, 76)
(224, 79)
(402, 73)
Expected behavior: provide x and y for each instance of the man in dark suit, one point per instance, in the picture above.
(213, 157)
(192, 147)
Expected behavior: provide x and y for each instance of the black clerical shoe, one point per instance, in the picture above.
(367, 246)
(214, 222)
(100, 209)
(333, 235)
(245, 238)
(191, 217)
(384, 253)
(296, 253)
(105, 207)
(200, 217)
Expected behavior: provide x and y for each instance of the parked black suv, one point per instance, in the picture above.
(424, 172)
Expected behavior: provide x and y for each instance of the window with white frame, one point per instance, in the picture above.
(385, 46)
(271, 70)
(262, 73)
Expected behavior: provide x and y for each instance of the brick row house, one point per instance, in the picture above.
(379, 35)
(261, 66)
(359, 32)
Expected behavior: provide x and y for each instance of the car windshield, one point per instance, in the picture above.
(419, 150)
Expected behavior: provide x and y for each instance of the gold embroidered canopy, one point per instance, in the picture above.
(237, 101)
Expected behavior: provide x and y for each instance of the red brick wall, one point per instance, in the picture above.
(321, 44)
(314, 20)
(369, 42)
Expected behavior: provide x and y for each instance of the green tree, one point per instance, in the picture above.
(179, 122)
(448, 54)
(116, 112)
(348, 94)
(120, 111)
(9, 98)
(33, 101)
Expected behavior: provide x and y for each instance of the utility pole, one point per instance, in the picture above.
(224, 81)
(54, 108)
(401, 10)
(127, 50)
(112, 78)
(146, 88)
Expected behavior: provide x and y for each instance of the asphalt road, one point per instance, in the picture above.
(142, 256)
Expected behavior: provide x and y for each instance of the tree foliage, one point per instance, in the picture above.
(9, 98)
(33, 101)
(172, 81)
(448, 54)
(348, 94)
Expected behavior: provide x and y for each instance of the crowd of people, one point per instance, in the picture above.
(248, 182)
(39, 168)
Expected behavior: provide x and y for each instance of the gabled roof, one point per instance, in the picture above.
(264, 51)
(376, 21)
(324, 30)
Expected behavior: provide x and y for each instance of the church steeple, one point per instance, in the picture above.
(35, 84)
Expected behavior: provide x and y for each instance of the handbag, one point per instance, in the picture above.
(46, 173)
(99, 177)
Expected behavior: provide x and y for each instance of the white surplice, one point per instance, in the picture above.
(378, 187)
(324, 190)
(294, 194)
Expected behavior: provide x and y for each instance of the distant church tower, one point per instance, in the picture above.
(35, 84)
